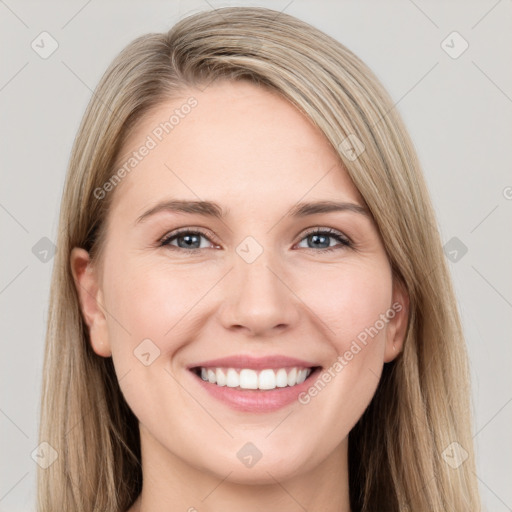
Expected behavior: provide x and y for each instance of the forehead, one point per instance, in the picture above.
(239, 144)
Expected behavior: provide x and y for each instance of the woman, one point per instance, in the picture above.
(205, 351)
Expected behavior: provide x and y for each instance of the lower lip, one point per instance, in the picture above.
(254, 400)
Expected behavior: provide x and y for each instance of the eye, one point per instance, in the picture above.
(319, 239)
(187, 240)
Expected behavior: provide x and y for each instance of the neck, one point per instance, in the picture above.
(170, 483)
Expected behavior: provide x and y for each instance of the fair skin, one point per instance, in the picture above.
(252, 152)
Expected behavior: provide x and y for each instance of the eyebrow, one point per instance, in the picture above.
(214, 210)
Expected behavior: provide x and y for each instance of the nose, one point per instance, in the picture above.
(259, 299)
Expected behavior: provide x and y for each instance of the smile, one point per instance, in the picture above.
(247, 378)
(251, 384)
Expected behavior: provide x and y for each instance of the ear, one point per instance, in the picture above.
(397, 325)
(91, 300)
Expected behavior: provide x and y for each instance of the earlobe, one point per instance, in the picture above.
(91, 300)
(397, 326)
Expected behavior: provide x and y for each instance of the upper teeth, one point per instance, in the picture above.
(251, 379)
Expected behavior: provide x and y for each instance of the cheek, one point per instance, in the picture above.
(348, 300)
(152, 302)
(352, 305)
(149, 323)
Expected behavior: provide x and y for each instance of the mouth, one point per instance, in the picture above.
(252, 384)
(265, 379)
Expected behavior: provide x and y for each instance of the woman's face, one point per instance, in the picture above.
(255, 285)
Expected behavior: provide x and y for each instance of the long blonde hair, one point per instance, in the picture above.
(422, 403)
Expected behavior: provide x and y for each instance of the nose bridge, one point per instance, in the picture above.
(260, 299)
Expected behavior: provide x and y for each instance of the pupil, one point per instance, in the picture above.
(188, 239)
(316, 237)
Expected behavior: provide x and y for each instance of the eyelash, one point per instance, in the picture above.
(332, 233)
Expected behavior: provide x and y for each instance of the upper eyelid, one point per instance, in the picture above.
(171, 234)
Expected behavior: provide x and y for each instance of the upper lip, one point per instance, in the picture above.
(255, 363)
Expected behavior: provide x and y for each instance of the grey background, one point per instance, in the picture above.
(458, 111)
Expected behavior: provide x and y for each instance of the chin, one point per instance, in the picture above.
(278, 465)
